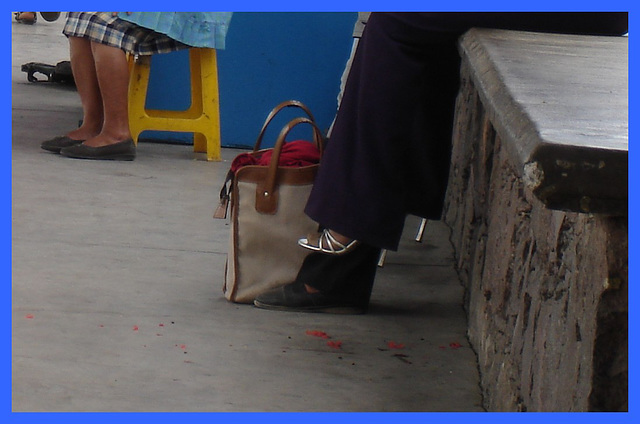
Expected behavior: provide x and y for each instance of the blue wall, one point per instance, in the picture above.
(269, 57)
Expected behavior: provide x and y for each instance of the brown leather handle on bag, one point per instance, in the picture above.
(266, 195)
(274, 112)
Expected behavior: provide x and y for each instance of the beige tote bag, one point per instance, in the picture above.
(267, 218)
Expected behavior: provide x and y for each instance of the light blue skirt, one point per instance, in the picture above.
(196, 29)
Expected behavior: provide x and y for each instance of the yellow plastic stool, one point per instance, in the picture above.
(203, 116)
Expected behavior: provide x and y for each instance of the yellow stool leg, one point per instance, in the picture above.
(138, 84)
(204, 87)
(203, 116)
(212, 98)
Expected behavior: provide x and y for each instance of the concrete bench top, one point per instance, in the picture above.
(560, 104)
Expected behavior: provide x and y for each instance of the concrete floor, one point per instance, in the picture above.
(117, 302)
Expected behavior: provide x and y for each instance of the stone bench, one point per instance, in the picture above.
(537, 205)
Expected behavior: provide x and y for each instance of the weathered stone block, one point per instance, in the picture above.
(546, 290)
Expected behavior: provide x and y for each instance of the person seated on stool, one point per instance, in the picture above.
(99, 43)
(388, 154)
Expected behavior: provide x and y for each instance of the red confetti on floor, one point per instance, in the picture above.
(161, 325)
(394, 345)
(29, 316)
(135, 328)
(334, 344)
(455, 345)
(320, 334)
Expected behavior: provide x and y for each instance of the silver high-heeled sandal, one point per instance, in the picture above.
(326, 243)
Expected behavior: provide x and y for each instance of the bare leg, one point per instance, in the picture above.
(112, 73)
(84, 73)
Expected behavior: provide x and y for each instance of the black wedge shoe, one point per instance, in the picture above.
(344, 283)
(295, 298)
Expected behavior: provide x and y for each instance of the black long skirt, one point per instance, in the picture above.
(389, 151)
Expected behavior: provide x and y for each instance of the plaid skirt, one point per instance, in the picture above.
(104, 28)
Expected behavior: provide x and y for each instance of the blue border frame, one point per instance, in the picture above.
(327, 5)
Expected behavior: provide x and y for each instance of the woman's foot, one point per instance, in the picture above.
(310, 289)
(121, 150)
(58, 143)
(101, 139)
(28, 18)
(295, 297)
(326, 283)
(83, 133)
(72, 138)
(328, 242)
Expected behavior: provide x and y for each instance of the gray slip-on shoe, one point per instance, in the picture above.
(58, 143)
(124, 150)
